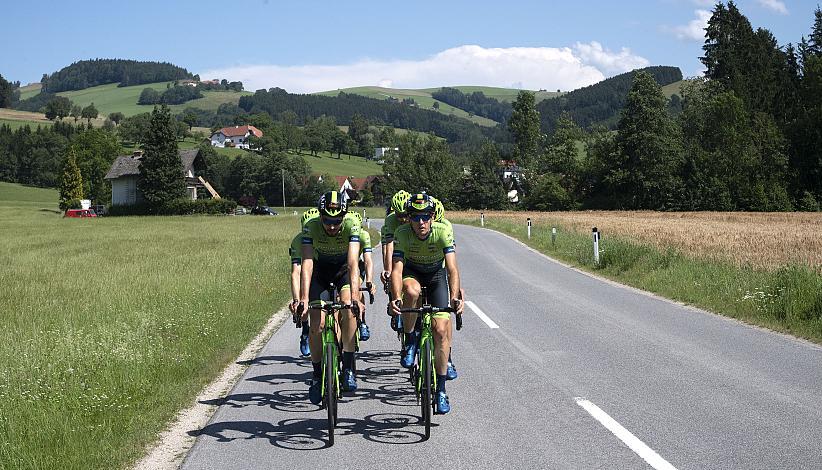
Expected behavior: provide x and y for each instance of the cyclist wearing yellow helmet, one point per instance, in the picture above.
(393, 220)
(424, 256)
(295, 253)
(366, 267)
(330, 254)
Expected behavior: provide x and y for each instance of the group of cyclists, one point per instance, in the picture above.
(418, 250)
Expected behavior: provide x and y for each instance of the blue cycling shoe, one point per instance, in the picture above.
(349, 382)
(315, 392)
(409, 350)
(305, 350)
(451, 374)
(396, 323)
(365, 333)
(443, 406)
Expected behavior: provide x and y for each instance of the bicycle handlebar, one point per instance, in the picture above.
(367, 288)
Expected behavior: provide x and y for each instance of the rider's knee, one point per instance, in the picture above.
(441, 329)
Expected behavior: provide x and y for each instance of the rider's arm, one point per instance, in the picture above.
(305, 272)
(369, 266)
(354, 267)
(453, 275)
(295, 281)
(396, 278)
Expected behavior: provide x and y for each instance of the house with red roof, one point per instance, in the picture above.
(236, 136)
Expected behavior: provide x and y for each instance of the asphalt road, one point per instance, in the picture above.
(580, 373)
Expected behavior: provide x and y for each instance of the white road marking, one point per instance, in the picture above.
(481, 314)
(652, 458)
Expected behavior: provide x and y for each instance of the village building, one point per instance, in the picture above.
(125, 171)
(236, 136)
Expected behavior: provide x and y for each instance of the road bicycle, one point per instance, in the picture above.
(423, 375)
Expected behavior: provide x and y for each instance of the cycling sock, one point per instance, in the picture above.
(318, 370)
(441, 383)
(348, 360)
(305, 328)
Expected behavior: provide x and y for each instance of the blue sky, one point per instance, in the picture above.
(305, 46)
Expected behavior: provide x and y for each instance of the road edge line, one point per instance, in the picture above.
(174, 443)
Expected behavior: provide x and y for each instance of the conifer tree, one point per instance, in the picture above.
(161, 171)
(71, 182)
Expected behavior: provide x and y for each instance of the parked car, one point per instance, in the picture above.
(262, 210)
(240, 211)
(80, 213)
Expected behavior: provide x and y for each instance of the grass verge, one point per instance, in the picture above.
(112, 325)
(787, 299)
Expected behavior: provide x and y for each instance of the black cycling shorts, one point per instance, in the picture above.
(323, 275)
(435, 283)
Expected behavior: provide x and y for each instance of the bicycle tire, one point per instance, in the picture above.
(426, 399)
(330, 393)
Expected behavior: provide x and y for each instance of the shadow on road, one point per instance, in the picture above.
(310, 434)
(277, 360)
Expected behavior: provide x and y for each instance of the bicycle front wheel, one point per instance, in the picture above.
(426, 369)
(330, 392)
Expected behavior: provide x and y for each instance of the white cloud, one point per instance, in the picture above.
(704, 3)
(694, 30)
(551, 68)
(775, 5)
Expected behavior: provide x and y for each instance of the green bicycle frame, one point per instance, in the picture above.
(330, 341)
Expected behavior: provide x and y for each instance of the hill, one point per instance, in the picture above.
(89, 73)
(601, 102)
(13, 194)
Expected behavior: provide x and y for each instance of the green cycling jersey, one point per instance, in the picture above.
(330, 248)
(365, 242)
(295, 250)
(424, 255)
(389, 227)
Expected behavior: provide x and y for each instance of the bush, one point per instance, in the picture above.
(182, 206)
(70, 204)
(808, 203)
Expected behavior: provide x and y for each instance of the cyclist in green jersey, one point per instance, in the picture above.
(330, 253)
(295, 253)
(439, 216)
(396, 218)
(366, 268)
(424, 256)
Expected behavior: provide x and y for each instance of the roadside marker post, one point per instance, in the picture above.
(553, 236)
(482, 219)
(368, 223)
(595, 234)
(529, 228)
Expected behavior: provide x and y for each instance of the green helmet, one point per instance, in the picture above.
(357, 217)
(439, 210)
(399, 200)
(419, 202)
(308, 215)
(332, 205)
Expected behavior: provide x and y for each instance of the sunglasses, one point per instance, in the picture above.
(422, 217)
(331, 221)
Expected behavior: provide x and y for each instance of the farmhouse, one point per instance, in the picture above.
(125, 171)
(236, 136)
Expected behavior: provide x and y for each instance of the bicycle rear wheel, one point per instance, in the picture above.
(330, 392)
(426, 369)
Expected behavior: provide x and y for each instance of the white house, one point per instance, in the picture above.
(236, 136)
(125, 171)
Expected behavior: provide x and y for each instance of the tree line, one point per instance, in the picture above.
(88, 73)
(474, 103)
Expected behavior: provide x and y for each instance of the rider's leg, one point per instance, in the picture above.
(442, 344)
(410, 295)
(348, 324)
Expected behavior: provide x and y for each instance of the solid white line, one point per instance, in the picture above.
(481, 314)
(647, 454)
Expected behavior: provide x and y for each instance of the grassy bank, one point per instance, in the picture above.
(787, 298)
(112, 325)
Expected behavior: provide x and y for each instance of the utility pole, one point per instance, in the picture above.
(283, 173)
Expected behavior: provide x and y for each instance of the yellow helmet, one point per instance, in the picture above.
(332, 205)
(399, 200)
(439, 210)
(308, 215)
(357, 217)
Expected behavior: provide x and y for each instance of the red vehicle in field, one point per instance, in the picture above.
(80, 213)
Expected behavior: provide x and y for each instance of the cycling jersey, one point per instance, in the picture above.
(295, 250)
(328, 248)
(389, 227)
(425, 256)
(365, 242)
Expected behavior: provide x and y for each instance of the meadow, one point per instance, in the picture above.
(112, 325)
(761, 268)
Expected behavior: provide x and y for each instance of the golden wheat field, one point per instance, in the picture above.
(763, 240)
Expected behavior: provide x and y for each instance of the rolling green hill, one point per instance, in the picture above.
(109, 98)
(673, 88)
(13, 194)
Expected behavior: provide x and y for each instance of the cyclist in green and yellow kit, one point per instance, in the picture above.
(330, 254)
(295, 253)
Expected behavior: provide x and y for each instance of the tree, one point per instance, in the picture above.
(423, 163)
(6, 93)
(89, 113)
(357, 130)
(116, 117)
(149, 96)
(71, 182)
(561, 156)
(161, 171)
(190, 118)
(76, 112)
(524, 125)
(647, 174)
(95, 150)
(482, 187)
(58, 107)
(135, 128)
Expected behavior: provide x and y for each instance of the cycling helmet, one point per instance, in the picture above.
(332, 205)
(419, 202)
(399, 200)
(357, 217)
(439, 210)
(308, 215)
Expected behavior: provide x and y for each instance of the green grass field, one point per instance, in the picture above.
(29, 90)
(325, 163)
(673, 88)
(112, 325)
(788, 299)
(109, 98)
(15, 123)
(500, 94)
